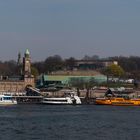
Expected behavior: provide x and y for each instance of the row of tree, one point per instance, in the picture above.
(80, 83)
(54, 63)
(9, 68)
(130, 66)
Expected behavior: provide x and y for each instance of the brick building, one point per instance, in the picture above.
(20, 82)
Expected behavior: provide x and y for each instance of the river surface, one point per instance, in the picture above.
(84, 122)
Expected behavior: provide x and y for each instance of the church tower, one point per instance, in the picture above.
(28, 77)
(27, 64)
(19, 62)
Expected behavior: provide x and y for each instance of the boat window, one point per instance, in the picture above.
(119, 99)
(7, 98)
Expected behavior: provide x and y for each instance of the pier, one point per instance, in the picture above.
(28, 99)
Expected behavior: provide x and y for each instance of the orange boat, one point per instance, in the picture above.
(118, 101)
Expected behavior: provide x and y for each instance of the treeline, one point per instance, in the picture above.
(9, 68)
(54, 63)
(131, 65)
(50, 64)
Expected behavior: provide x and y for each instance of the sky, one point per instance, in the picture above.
(69, 28)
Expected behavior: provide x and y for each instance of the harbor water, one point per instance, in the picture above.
(68, 122)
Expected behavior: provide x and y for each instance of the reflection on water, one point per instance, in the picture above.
(44, 122)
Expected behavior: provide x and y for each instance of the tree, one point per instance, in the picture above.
(53, 63)
(34, 71)
(70, 63)
(81, 83)
(116, 70)
(77, 83)
(86, 57)
(8, 68)
(113, 71)
(40, 66)
(88, 85)
(95, 57)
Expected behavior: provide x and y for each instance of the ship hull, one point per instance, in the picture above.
(118, 102)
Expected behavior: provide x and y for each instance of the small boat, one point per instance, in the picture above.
(7, 100)
(69, 98)
(118, 101)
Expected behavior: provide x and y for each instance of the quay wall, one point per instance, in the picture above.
(16, 86)
(92, 93)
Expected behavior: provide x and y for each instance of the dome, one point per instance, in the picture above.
(27, 52)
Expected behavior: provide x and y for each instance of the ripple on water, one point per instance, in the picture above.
(39, 122)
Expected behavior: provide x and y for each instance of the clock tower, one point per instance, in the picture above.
(27, 64)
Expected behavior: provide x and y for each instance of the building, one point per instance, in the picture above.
(20, 82)
(58, 81)
(93, 64)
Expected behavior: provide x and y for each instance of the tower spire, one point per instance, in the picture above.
(19, 59)
(27, 53)
(27, 63)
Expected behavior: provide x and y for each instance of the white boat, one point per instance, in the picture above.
(69, 98)
(7, 100)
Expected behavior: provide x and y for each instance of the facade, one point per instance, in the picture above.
(27, 64)
(60, 80)
(20, 82)
(93, 64)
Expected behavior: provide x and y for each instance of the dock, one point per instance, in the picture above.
(28, 99)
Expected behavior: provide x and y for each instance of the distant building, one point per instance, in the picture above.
(108, 63)
(20, 82)
(83, 69)
(60, 80)
(93, 64)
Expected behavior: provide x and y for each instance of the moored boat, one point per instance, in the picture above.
(69, 98)
(7, 100)
(118, 101)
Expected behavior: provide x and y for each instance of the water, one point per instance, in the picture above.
(87, 122)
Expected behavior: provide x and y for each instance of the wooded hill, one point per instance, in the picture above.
(130, 65)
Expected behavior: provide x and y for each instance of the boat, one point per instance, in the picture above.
(69, 98)
(118, 101)
(7, 100)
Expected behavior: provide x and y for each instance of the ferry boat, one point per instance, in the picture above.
(118, 101)
(69, 98)
(7, 100)
(111, 99)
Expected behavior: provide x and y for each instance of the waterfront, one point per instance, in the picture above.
(83, 122)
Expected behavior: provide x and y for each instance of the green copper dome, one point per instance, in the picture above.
(27, 52)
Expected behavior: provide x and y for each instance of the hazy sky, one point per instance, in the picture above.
(69, 28)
